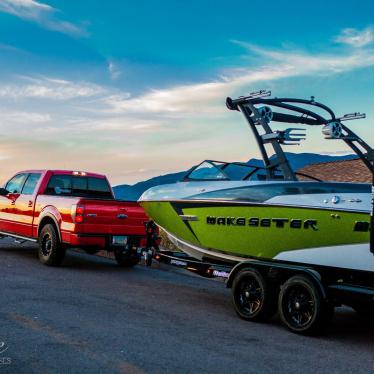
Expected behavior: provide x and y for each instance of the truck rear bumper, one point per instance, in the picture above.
(79, 240)
(101, 241)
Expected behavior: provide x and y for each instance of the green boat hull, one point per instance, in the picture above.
(257, 230)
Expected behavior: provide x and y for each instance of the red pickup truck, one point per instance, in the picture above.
(61, 209)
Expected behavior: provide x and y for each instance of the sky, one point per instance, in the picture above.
(137, 89)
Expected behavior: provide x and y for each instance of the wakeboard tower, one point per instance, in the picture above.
(236, 211)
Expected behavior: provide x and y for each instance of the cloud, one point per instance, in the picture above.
(356, 38)
(306, 63)
(79, 124)
(50, 89)
(196, 99)
(42, 14)
(11, 48)
(21, 117)
(25, 8)
(114, 70)
(193, 100)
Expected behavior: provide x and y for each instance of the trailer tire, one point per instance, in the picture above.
(50, 252)
(253, 298)
(302, 307)
(124, 259)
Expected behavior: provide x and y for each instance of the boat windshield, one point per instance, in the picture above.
(210, 170)
(219, 170)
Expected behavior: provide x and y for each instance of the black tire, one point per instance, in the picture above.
(124, 259)
(253, 299)
(50, 252)
(302, 307)
(149, 258)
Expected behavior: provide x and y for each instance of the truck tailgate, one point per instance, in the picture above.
(112, 217)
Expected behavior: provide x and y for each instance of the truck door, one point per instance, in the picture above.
(8, 215)
(17, 209)
(25, 205)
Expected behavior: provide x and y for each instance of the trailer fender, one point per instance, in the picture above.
(284, 272)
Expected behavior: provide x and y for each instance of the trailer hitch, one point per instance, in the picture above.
(153, 240)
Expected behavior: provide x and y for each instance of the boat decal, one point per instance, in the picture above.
(263, 222)
(188, 218)
(221, 274)
(178, 263)
(179, 210)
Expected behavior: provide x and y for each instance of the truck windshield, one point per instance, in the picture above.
(69, 185)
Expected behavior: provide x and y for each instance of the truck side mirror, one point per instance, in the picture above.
(3, 191)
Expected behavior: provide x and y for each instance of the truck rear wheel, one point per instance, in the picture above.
(50, 252)
(125, 259)
(302, 307)
(253, 298)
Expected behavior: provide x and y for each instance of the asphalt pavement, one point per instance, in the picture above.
(90, 316)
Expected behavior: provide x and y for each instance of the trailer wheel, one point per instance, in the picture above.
(125, 259)
(252, 297)
(302, 308)
(50, 251)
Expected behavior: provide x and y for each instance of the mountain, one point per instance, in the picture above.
(297, 161)
(132, 193)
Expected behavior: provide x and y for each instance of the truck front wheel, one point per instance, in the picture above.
(50, 252)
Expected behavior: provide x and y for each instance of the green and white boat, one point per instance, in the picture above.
(234, 211)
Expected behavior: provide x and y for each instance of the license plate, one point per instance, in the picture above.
(119, 240)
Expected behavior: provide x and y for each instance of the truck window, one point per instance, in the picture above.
(31, 182)
(59, 185)
(68, 185)
(16, 183)
(79, 185)
(99, 186)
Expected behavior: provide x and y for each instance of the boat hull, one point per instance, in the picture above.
(348, 256)
(233, 231)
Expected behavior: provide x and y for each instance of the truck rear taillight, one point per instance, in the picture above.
(77, 213)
